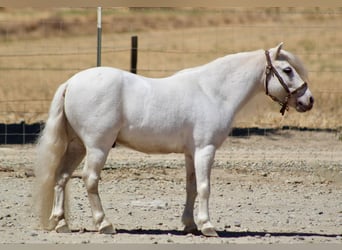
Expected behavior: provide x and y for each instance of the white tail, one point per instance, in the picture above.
(51, 147)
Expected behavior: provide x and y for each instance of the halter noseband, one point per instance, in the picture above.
(270, 70)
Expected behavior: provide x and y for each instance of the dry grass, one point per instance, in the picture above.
(54, 44)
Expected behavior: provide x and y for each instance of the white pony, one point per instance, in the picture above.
(190, 112)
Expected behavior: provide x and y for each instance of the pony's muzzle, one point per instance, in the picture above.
(304, 103)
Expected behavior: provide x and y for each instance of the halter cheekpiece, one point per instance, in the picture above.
(270, 71)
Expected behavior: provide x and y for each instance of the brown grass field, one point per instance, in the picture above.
(39, 49)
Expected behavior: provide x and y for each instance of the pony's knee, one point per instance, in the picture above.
(91, 181)
(203, 190)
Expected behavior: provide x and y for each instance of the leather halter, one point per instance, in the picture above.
(270, 71)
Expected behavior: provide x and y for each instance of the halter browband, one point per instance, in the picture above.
(270, 70)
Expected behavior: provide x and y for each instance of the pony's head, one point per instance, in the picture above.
(286, 80)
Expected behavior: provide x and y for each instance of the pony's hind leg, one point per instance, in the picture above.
(95, 161)
(71, 159)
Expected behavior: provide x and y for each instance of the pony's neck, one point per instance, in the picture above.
(234, 79)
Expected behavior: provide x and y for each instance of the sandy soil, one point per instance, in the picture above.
(282, 188)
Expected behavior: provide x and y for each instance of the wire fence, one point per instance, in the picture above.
(33, 66)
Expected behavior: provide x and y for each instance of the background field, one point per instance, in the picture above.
(40, 49)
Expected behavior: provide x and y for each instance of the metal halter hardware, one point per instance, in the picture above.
(270, 70)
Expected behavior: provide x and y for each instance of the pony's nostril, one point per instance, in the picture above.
(311, 100)
(300, 103)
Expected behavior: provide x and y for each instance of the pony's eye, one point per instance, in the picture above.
(288, 70)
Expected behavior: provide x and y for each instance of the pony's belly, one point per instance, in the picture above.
(152, 143)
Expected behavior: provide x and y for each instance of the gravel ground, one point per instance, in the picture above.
(285, 187)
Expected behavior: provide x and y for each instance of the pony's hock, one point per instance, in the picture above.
(190, 112)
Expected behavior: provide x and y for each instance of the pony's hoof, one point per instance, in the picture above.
(106, 228)
(209, 231)
(192, 229)
(62, 227)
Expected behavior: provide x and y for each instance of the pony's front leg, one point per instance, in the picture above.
(204, 159)
(91, 176)
(191, 193)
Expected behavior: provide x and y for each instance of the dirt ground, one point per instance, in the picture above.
(285, 187)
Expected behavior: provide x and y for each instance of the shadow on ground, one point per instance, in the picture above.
(222, 234)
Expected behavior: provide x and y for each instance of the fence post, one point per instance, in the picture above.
(134, 54)
(99, 34)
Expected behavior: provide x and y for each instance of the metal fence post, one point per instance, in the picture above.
(99, 35)
(134, 54)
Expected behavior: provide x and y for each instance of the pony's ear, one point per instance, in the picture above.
(275, 52)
